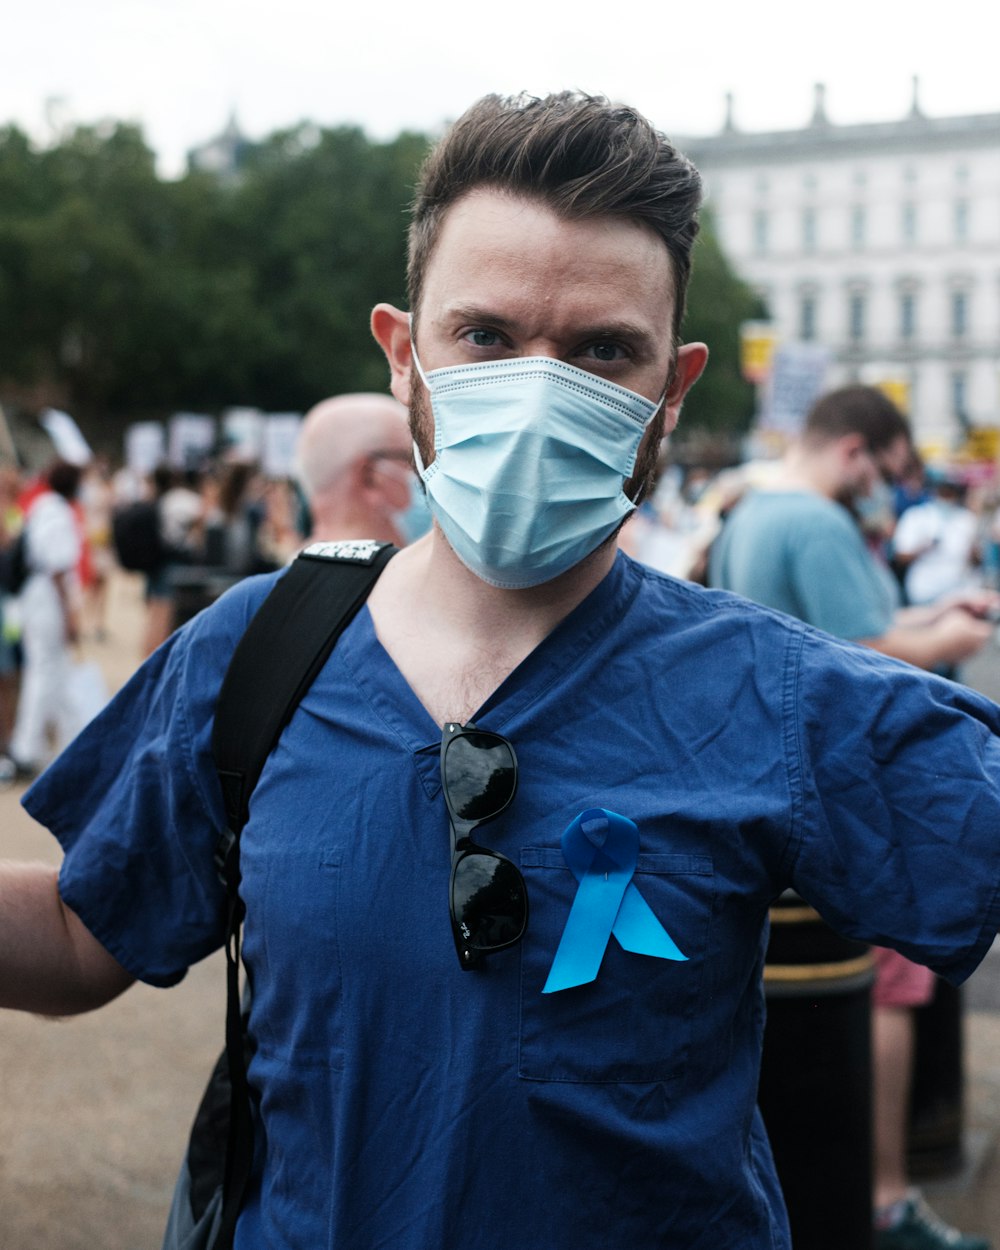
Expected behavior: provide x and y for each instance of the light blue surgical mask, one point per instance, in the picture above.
(530, 459)
(415, 520)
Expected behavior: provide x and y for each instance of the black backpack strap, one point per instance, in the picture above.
(275, 662)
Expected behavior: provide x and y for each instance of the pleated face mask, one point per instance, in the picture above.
(531, 457)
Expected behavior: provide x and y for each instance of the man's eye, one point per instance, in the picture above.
(605, 352)
(483, 338)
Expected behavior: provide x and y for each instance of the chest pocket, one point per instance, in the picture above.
(635, 1022)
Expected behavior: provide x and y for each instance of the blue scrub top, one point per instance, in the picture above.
(408, 1104)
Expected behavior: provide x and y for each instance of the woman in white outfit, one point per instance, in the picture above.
(49, 627)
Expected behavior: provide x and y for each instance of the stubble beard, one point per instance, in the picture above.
(421, 419)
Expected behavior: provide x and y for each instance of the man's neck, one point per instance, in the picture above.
(803, 470)
(454, 637)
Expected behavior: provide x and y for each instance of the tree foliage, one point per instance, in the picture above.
(139, 295)
(718, 303)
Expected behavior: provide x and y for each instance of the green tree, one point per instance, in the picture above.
(322, 214)
(718, 303)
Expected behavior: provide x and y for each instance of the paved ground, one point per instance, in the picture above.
(94, 1112)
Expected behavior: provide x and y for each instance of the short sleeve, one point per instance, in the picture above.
(899, 841)
(836, 581)
(914, 531)
(135, 803)
(51, 536)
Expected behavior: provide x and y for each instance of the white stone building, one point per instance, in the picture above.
(880, 241)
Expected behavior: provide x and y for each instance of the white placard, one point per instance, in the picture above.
(797, 378)
(243, 433)
(66, 436)
(145, 446)
(191, 440)
(281, 434)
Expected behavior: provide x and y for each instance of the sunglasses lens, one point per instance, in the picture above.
(488, 901)
(479, 774)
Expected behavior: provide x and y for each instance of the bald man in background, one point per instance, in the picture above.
(354, 462)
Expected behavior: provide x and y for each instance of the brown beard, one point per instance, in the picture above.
(421, 420)
(647, 461)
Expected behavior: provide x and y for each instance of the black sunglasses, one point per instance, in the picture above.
(487, 895)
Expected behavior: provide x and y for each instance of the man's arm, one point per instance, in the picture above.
(50, 962)
(950, 638)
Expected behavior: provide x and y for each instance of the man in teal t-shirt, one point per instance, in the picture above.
(797, 547)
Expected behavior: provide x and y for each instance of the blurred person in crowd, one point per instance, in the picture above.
(179, 518)
(441, 1055)
(231, 527)
(936, 542)
(97, 503)
(11, 523)
(48, 610)
(281, 535)
(354, 461)
(797, 546)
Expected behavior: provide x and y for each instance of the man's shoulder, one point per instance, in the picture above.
(221, 625)
(790, 507)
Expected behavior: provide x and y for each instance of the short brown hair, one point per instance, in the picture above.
(579, 155)
(861, 410)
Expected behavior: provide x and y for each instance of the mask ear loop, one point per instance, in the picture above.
(416, 358)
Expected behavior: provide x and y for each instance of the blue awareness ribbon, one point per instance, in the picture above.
(602, 849)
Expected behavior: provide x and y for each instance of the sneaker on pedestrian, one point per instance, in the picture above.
(13, 771)
(912, 1225)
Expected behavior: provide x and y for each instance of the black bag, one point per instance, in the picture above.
(276, 661)
(14, 567)
(139, 545)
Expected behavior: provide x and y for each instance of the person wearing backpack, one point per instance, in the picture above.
(48, 611)
(506, 869)
(12, 573)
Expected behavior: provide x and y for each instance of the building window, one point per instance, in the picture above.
(961, 221)
(858, 226)
(856, 316)
(809, 230)
(760, 231)
(909, 222)
(959, 313)
(960, 395)
(807, 318)
(907, 315)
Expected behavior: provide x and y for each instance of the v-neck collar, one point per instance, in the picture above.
(394, 701)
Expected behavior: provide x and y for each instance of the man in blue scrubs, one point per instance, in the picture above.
(430, 1070)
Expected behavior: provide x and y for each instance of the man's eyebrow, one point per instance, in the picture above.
(478, 316)
(628, 330)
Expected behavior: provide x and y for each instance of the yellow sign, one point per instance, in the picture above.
(896, 389)
(758, 340)
(983, 443)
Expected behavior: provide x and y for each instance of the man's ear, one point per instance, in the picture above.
(851, 446)
(688, 367)
(391, 328)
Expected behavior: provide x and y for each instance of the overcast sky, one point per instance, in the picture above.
(180, 66)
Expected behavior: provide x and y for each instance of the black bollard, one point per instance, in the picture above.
(934, 1140)
(815, 1085)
